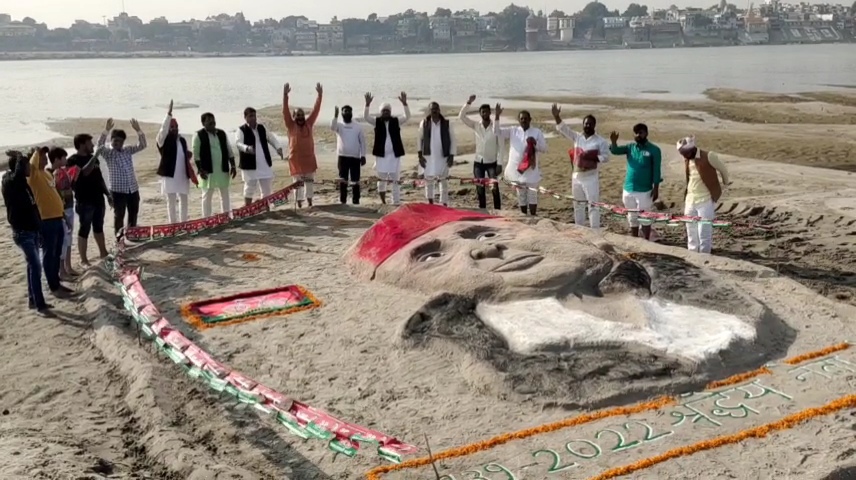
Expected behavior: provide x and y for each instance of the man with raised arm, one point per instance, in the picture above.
(590, 150)
(90, 194)
(487, 163)
(437, 149)
(215, 163)
(642, 182)
(174, 168)
(388, 147)
(301, 143)
(351, 150)
(254, 156)
(120, 167)
(523, 169)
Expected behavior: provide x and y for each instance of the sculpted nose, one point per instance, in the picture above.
(484, 251)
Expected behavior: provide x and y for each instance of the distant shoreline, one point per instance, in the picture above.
(88, 55)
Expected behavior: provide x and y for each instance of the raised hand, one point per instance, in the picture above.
(498, 110)
(286, 89)
(369, 98)
(402, 97)
(471, 100)
(109, 126)
(336, 112)
(319, 88)
(135, 124)
(613, 136)
(556, 110)
(170, 108)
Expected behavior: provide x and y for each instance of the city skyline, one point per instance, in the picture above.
(55, 13)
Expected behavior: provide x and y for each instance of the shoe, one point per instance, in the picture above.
(46, 306)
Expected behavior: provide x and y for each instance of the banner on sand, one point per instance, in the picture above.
(299, 418)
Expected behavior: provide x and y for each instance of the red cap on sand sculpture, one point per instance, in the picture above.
(409, 222)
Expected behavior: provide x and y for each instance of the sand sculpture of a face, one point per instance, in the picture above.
(520, 295)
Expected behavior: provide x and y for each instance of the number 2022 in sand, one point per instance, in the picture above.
(587, 450)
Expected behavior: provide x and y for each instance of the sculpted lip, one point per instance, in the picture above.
(519, 263)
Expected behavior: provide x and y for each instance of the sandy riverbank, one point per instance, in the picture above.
(89, 400)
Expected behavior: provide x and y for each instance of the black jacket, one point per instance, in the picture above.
(21, 210)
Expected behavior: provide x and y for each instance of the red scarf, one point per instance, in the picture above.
(528, 157)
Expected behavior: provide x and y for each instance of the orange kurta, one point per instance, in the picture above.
(301, 141)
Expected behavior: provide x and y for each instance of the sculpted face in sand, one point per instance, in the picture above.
(540, 288)
(495, 259)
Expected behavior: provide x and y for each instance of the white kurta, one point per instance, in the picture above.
(179, 183)
(517, 149)
(436, 165)
(263, 170)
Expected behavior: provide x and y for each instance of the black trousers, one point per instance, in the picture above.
(349, 170)
(487, 170)
(123, 202)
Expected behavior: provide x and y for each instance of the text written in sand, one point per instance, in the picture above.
(712, 408)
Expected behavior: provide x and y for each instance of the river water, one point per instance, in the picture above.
(33, 92)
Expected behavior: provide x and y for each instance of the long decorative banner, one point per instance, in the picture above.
(280, 197)
(299, 418)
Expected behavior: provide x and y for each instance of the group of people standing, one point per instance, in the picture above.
(45, 189)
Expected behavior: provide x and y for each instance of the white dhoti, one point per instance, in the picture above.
(388, 170)
(585, 187)
(436, 171)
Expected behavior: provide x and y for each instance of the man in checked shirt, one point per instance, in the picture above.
(120, 166)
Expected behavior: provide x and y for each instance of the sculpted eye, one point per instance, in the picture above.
(487, 236)
(430, 257)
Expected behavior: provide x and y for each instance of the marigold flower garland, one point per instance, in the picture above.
(466, 450)
(761, 431)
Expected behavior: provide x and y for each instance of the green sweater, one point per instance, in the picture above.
(643, 166)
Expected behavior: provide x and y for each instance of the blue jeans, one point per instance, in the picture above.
(53, 236)
(29, 244)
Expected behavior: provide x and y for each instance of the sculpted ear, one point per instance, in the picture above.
(421, 325)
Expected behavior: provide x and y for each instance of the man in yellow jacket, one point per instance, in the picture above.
(52, 212)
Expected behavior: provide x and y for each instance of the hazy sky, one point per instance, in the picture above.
(61, 13)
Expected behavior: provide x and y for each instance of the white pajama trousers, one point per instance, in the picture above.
(208, 196)
(700, 234)
(174, 202)
(444, 188)
(253, 186)
(390, 180)
(585, 187)
(307, 190)
(527, 194)
(640, 201)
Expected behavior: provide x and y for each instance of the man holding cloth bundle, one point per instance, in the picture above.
(523, 169)
(590, 150)
(703, 191)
